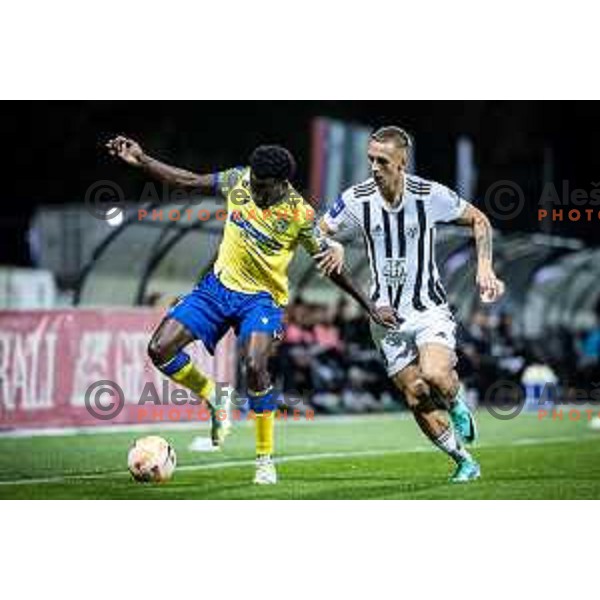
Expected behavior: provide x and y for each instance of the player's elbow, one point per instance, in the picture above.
(480, 220)
(473, 217)
(437, 376)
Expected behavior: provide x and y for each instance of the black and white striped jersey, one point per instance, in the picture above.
(400, 241)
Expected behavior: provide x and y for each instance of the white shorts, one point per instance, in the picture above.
(400, 347)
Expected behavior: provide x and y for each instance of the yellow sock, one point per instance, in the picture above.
(192, 378)
(265, 429)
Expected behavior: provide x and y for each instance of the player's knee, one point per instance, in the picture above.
(411, 400)
(417, 389)
(438, 377)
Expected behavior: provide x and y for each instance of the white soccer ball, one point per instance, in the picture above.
(151, 459)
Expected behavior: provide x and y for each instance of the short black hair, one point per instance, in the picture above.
(272, 162)
(391, 133)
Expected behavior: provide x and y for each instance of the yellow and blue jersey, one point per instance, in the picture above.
(258, 244)
(248, 286)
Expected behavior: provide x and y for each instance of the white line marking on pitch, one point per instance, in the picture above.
(282, 459)
(198, 426)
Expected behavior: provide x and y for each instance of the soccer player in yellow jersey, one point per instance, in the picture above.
(247, 289)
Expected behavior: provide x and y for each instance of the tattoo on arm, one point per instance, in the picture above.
(483, 238)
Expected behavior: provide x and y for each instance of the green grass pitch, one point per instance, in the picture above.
(347, 458)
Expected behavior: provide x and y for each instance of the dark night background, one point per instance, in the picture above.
(52, 149)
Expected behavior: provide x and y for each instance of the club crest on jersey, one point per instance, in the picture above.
(281, 225)
(412, 231)
(293, 197)
(394, 271)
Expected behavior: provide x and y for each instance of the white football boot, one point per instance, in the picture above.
(266, 473)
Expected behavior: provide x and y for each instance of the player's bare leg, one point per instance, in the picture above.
(433, 422)
(166, 352)
(167, 340)
(437, 363)
(261, 397)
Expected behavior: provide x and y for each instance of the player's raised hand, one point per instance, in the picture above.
(331, 258)
(126, 149)
(491, 288)
(385, 316)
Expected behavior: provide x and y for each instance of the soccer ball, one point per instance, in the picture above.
(151, 459)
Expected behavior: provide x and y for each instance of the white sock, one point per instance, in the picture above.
(448, 442)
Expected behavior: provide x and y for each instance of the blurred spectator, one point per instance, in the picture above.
(356, 397)
(159, 300)
(328, 358)
(326, 332)
(590, 347)
(299, 329)
(354, 328)
(587, 348)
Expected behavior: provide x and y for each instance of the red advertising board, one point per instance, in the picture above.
(49, 360)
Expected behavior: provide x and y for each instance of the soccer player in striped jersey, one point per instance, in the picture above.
(247, 288)
(397, 213)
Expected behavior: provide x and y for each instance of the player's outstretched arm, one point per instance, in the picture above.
(131, 152)
(491, 288)
(385, 318)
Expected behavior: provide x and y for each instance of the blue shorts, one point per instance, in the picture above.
(211, 309)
